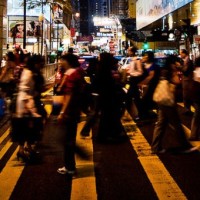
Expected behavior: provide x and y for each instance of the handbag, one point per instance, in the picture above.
(196, 74)
(163, 94)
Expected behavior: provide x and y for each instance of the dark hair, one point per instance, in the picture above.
(150, 55)
(197, 62)
(11, 56)
(70, 50)
(71, 59)
(167, 69)
(171, 59)
(33, 60)
(133, 49)
(106, 60)
(184, 51)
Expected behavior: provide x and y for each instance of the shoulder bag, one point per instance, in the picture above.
(163, 94)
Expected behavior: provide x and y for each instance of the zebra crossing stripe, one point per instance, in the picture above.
(10, 180)
(162, 182)
(85, 178)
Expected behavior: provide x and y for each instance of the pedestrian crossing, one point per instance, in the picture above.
(161, 180)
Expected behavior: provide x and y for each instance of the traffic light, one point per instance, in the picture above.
(145, 45)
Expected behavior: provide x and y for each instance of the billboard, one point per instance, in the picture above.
(15, 7)
(151, 10)
(16, 28)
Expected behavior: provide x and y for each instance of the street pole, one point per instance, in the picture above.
(24, 37)
(42, 28)
(2, 7)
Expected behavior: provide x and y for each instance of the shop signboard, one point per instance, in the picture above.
(88, 38)
(151, 10)
(196, 39)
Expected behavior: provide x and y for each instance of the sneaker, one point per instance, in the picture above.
(63, 170)
(191, 150)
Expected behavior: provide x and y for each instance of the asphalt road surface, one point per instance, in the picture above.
(113, 171)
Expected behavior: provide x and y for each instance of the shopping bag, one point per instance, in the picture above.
(164, 94)
(196, 74)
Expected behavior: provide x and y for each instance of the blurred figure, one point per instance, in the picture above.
(195, 94)
(187, 74)
(110, 100)
(71, 50)
(27, 132)
(7, 75)
(168, 115)
(58, 77)
(91, 98)
(39, 85)
(19, 55)
(134, 73)
(149, 81)
(3, 62)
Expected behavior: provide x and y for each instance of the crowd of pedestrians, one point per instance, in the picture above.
(109, 93)
(22, 82)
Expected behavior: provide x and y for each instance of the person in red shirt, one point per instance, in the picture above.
(72, 86)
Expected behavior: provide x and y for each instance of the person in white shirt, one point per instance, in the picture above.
(134, 73)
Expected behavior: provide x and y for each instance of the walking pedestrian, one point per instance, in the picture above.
(134, 74)
(26, 121)
(7, 84)
(187, 79)
(72, 86)
(110, 100)
(168, 115)
(149, 81)
(195, 125)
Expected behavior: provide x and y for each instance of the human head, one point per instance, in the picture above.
(171, 62)
(10, 56)
(32, 24)
(69, 61)
(20, 26)
(106, 58)
(35, 62)
(183, 53)
(148, 57)
(70, 50)
(132, 50)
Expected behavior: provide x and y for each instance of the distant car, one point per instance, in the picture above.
(85, 60)
(160, 61)
(119, 57)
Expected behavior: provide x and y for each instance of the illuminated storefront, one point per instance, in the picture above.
(176, 21)
(44, 31)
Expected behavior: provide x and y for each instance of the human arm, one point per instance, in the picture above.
(67, 98)
(147, 79)
(3, 72)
